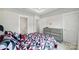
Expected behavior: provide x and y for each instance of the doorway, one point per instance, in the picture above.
(23, 25)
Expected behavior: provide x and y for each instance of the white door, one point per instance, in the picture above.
(23, 25)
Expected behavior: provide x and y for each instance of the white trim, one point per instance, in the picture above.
(63, 13)
(72, 12)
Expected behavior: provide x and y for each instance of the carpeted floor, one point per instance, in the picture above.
(66, 46)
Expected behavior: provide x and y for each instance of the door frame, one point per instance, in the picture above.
(20, 19)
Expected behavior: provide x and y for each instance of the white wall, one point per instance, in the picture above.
(70, 26)
(36, 25)
(32, 27)
(10, 20)
(68, 21)
(78, 40)
(51, 22)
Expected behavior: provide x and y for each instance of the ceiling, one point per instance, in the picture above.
(42, 12)
(38, 10)
(32, 11)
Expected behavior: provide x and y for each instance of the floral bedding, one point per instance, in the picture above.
(31, 41)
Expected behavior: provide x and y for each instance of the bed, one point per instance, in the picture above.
(31, 41)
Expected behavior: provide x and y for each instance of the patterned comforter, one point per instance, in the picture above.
(32, 41)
